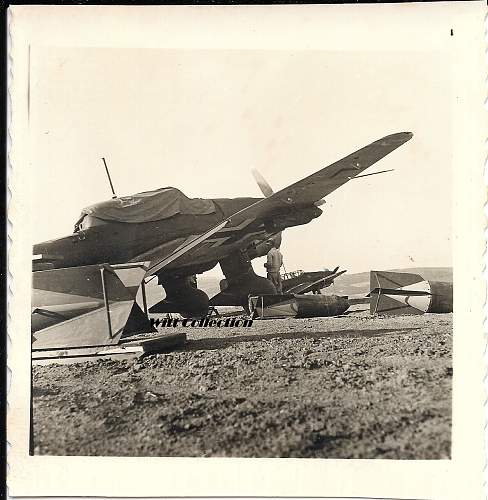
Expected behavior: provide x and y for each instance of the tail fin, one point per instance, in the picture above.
(87, 307)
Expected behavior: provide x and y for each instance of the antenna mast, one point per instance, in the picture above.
(109, 179)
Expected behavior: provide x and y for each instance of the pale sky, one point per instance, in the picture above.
(200, 120)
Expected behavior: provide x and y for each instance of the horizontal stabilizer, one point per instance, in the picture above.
(86, 307)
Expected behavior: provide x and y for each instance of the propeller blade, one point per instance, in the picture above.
(265, 188)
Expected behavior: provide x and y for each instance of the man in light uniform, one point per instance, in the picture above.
(273, 266)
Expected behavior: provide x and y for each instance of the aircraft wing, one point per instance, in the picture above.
(302, 193)
(320, 184)
(299, 289)
(185, 248)
(309, 286)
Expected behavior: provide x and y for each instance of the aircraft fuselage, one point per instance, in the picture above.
(119, 242)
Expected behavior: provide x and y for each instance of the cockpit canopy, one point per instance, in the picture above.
(292, 274)
(148, 206)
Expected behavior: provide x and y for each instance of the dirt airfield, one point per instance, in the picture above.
(344, 387)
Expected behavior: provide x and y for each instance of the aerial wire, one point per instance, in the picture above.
(109, 180)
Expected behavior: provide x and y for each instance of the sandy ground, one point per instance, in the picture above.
(346, 387)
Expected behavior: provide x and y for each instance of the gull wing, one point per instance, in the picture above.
(313, 188)
(305, 192)
(320, 184)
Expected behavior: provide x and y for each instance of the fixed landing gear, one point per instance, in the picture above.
(184, 297)
(241, 281)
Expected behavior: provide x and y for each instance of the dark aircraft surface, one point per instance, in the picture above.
(177, 237)
(291, 305)
(295, 282)
(301, 282)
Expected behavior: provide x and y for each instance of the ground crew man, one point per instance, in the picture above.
(273, 266)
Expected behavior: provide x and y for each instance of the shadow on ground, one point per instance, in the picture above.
(224, 342)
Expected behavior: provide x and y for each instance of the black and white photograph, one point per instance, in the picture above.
(283, 243)
(242, 252)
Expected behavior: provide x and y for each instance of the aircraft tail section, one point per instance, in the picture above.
(88, 307)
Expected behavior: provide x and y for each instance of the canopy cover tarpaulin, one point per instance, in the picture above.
(149, 206)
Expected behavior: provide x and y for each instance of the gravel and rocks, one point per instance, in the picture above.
(345, 387)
